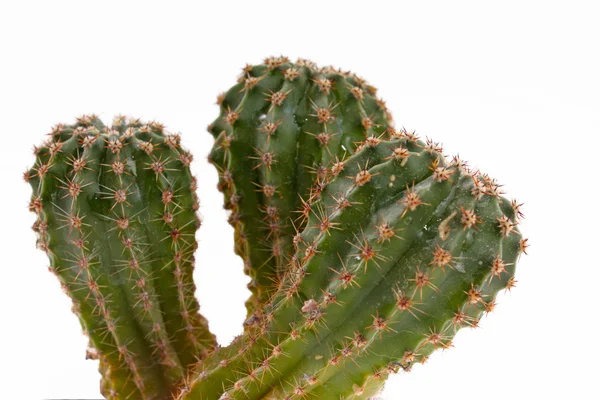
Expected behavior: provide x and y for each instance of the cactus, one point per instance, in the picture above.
(391, 246)
(116, 214)
(401, 249)
(280, 130)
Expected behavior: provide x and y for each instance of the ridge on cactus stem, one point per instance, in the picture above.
(402, 248)
(116, 215)
(281, 131)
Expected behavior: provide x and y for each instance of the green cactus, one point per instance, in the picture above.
(280, 130)
(390, 247)
(116, 214)
(401, 249)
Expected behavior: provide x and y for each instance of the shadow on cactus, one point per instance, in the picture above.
(385, 247)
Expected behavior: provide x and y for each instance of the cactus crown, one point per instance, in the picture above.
(368, 247)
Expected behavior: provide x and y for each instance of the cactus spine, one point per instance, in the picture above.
(280, 130)
(116, 214)
(401, 249)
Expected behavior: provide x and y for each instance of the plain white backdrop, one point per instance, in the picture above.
(514, 87)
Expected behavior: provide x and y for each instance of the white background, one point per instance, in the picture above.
(513, 86)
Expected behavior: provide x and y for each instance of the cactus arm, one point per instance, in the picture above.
(96, 191)
(280, 130)
(351, 274)
(432, 322)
